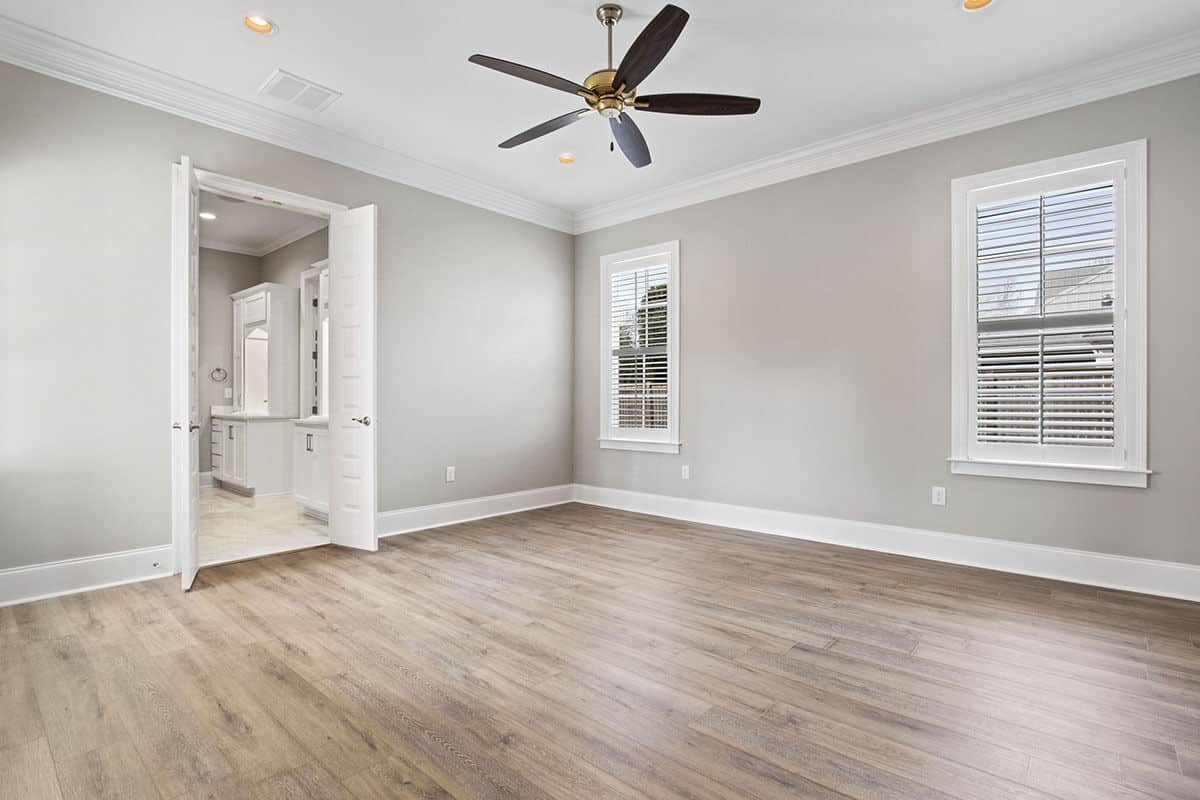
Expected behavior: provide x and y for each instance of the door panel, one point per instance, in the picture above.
(352, 266)
(185, 410)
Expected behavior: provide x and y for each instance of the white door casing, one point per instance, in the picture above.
(185, 402)
(352, 424)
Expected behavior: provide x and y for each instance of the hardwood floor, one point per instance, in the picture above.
(576, 652)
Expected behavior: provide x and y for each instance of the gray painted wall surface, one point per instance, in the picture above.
(285, 264)
(85, 244)
(815, 353)
(221, 274)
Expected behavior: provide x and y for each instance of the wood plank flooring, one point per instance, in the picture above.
(577, 652)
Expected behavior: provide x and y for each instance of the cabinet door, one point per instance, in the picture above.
(235, 452)
(255, 309)
(319, 481)
(301, 466)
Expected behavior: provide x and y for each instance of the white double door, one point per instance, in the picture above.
(352, 260)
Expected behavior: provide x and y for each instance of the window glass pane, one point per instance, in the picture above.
(638, 337)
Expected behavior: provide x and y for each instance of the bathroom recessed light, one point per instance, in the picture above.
(566, 158)
(208, 216)
(976, 5)
(260, 25)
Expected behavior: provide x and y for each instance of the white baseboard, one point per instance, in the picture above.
(206, 479)
(40, 581)
(1163, 578)
(419, 518)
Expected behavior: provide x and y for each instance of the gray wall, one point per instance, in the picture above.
(285, 264)
(815, 353)
(221, 274)
(85, 244)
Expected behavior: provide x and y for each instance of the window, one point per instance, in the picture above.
(640, 349)
(1050, 320)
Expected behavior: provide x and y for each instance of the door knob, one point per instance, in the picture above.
(362, 420)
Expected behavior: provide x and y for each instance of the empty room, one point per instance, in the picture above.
(566, 400)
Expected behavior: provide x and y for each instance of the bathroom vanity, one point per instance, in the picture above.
(250, 440)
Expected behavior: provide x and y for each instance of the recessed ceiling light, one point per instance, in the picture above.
(976, 5)
(208, 216)
(259, 24)
(566, 158)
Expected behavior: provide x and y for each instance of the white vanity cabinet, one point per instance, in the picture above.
(266, 356)
(251, 454)
(310, 466)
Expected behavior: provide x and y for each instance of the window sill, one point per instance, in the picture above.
(1067, 473)
(639, 445)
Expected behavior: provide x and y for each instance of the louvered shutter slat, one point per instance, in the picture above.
(1044, 259)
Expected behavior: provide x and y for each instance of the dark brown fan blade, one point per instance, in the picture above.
(529, 74)
(546, 127)
(630, 138)
(650, 47)
(708, 105)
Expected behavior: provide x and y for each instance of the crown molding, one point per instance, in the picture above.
(44, 52)
(1169, 60)
(296, 234)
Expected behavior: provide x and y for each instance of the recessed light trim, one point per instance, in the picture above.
(207, 216)
(259, 24)
(976, 5)
(566, 158)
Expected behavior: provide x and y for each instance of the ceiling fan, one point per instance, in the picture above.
(611, 91)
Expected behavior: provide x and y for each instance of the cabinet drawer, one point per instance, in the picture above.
(215, 437)
(216, 463)
(216, 425)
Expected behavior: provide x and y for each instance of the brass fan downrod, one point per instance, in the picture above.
(609, 15)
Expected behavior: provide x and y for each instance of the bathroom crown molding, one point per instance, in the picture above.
(49, 54)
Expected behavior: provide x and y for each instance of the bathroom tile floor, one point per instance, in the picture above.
(234, 527)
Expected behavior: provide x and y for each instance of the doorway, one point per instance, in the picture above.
(273, 371)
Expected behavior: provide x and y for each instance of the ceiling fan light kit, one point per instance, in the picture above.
(610, 92)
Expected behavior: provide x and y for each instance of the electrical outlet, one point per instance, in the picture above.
(228, 392)
(939, 496)
(685, 472)
(449, 474)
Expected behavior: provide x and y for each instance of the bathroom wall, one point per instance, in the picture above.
(285, 264)
(221, 274)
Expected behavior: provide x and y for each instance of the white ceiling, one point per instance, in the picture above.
(822, 67)
(249, 228)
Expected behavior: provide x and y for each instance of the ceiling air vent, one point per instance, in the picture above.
(283, 85)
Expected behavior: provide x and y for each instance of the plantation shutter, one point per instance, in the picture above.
(1044, 309)
(638, 332)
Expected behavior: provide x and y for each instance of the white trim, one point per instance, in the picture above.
(419, 518)
(1067, 473)
(1165, 61)
(1125, 463)
(269, 196)
(206, 478)
(294, 235)
(639, 445)
(1148, 576)
(644, 439)
(44, 52)
(49, 54)
(55, 578)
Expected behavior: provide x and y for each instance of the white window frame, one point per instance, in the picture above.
(651, 440)
(1125, 464)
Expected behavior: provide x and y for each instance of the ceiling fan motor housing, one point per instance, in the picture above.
(605, 98)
